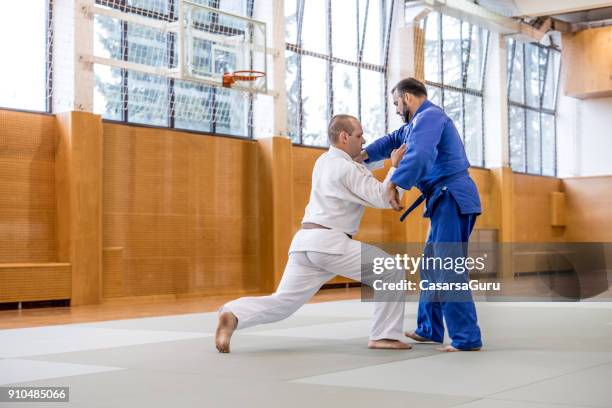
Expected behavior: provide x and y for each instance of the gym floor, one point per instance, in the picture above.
(536, 355)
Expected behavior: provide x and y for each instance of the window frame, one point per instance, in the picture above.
(170, 16)
(49, 38)
(540, 109)
(330, 59)
(463, 89)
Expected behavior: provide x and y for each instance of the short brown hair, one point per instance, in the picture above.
(410, 85)
(338, 124)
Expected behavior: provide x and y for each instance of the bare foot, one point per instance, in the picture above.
(225, 328)
(418, 338)
(451, 349)
(388, 344)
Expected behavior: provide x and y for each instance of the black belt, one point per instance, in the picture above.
(414, 205)
(429, 190)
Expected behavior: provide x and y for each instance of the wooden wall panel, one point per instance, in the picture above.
(275, 192)
(372, 226)
(588, 209)
(24, 282)
(304, 159)
(557, 216)
(78, 178)
(587, 63)
(27, 187)
(483, 180)
(112, 276)
(184, 211)
(532, 209)
(501, 203)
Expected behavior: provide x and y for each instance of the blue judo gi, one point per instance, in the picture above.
(436, 163)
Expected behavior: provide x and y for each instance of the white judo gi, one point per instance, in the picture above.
(341, 188)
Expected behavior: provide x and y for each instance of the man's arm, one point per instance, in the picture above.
(382, 147)
(422, 150)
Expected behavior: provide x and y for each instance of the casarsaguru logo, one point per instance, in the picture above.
(425, 285)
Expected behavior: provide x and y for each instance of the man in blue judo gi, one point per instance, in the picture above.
(436, 163)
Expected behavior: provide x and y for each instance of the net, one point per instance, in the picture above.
(161, 62)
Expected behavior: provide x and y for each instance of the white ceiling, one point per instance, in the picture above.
(534, 8)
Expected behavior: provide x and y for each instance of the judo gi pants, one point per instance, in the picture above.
(304, 275)
(449, 234)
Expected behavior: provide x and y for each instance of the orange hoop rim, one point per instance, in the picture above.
(243, 75)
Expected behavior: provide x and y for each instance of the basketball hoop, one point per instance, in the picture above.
(247, 75)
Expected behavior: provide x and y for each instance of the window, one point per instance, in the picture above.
(455, 64)
(25, 70)
(533, 76)
(136, 97)
(339, 68)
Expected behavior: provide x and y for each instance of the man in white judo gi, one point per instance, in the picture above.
(324, 248)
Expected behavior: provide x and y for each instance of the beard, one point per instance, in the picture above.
(406, 115)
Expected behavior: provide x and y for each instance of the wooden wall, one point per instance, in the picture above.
(304, 159)
(79, 202)
(29, 270)
(532, 209)
(186, 214)
(180, 213)
(589, 209)
(21, 282)
(483, 180)
(27, 187)
(587, 63)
